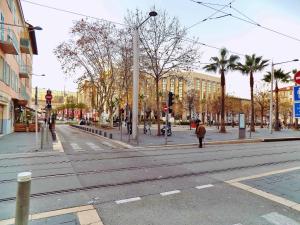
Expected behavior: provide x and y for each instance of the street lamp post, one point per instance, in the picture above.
(136, 70)
(271, 97)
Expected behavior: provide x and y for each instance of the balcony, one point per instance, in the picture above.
(23, 93)
(25, 45)
(24, 71)
(8, 42)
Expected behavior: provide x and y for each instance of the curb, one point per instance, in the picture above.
(281, 139)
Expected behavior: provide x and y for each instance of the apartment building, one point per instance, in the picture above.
(17, 47)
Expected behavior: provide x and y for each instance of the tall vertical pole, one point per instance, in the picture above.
(271, 100)
(135, 83)
(36, 119)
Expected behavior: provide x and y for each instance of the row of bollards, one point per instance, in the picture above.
(23, 198)
(95, 131)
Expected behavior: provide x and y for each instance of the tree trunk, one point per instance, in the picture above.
(222, 129)
(80, 114)
(262, 117)
(252, 102)
(296, 124)
(157, 107)
(277, 108)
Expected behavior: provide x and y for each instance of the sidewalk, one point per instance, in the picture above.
(23, 142)
(183, 135)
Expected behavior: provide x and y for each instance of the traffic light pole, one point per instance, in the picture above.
(167, 119)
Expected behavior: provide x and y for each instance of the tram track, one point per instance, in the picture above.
(150, 166)
(138, 181)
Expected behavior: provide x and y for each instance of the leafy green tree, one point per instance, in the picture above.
(252, 64)
(222, 64)
(279, 76)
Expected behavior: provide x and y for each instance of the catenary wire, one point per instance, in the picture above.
(72, 12)
(250, 22)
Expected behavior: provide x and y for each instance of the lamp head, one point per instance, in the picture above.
(296, 60)
(152, 13)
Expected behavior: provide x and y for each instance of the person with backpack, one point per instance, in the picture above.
(200, 132)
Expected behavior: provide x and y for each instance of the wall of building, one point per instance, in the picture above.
(12, 86)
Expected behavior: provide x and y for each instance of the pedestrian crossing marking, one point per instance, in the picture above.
(278, 219)
(94, 146)
(76, 147)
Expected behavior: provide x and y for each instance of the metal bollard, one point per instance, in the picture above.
(105, 134)
(23, 198)
(100, 132)
(110, 136)
(42, 136)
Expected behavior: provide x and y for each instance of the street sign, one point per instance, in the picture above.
(296, 93)
(297, 109)
(297, 77)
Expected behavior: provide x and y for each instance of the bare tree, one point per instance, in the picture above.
(91, 51)
(164, 48)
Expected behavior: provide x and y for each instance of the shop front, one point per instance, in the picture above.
(6, 114)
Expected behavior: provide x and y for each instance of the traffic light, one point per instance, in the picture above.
(170, 101)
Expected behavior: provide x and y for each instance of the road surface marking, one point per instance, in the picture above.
(272, 197)
(204, 186)
(51, 214)
(170, 193)
(57, 146)
(89, 217)
(75, 146)
(94, 146)
(108, 144)
(278, 219)
(263, 174)
(237, 224)
(128, 200)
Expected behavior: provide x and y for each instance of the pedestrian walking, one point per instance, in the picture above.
(200, 132)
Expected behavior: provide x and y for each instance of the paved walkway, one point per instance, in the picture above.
(23, 142)
(183, 135)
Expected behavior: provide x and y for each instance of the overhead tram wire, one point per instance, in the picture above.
(248, 21)
(210, 16)
(72, 12)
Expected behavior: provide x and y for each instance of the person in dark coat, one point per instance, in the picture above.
(200, 132)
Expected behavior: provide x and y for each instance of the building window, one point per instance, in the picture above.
(1, 69)
(172, 85)
(2, 26)
(180, 89)
(10, 4)
(203, 91)
(197, 84)
(164, 85)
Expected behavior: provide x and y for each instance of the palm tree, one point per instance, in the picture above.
(222, 64)
(252, 64)
(279, 76)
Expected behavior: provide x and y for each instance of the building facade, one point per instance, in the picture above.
(17, 47)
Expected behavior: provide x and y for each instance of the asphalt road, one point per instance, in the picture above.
(183, 186)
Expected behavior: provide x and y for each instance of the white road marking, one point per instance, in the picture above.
(170, 193)
(238, 224)
(204, 186)
(107, 143)
(278, 219)
(94, 146)
(128, 200)
(75, 147)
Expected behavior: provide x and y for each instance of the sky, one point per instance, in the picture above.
(234, 34)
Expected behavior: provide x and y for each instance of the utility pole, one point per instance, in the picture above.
(36, 118)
